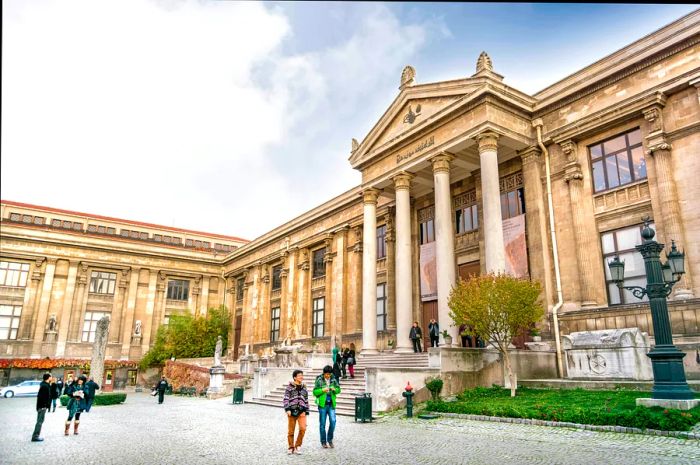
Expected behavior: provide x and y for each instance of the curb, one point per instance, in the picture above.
(563, 424)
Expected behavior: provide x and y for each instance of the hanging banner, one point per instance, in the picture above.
(516, 247)
(428, 272)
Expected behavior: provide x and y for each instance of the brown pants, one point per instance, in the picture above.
(291, 426)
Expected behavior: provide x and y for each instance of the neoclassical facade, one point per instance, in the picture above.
(460, 177)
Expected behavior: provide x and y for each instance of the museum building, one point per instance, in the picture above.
(459, 178)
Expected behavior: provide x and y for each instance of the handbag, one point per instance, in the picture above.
(351, 360)
(154, 392)
(295, 412)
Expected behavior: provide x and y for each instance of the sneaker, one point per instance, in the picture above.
(37, 439)
(330, 444)
(297, 450)
(325, 446)
(290, 451)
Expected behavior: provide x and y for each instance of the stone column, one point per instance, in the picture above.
(445, 244)
(303, 295)
(661, 151)
(204, 298)
(404, 271)
(329, 293)
(149, 323)
(159, 308)
(31, 301)
(390, 240)
(495, 255)
(128, 320)
(585, 244)
(369, 272)
(44, 302)
(339, 282)
(289, 301)
(356, 286)
(536, 222)
(79, 302)
(64, 317)
(284, 308)
(119, 306)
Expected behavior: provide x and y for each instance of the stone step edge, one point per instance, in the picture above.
(339, 411)
(564, 424)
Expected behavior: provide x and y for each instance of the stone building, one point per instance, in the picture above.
(459, 177)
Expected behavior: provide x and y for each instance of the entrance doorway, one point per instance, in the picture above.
(430, 311)
(237, 336)
(466, 271)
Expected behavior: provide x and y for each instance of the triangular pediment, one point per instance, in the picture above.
(414, 107)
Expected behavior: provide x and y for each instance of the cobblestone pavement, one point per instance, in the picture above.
(198, 431)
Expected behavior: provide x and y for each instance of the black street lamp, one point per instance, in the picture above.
(666, 359)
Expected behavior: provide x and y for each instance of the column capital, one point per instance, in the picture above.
(654, 116)
(656, 142)
(570, 150)
(487, 141)
(573, 172)
(402, 181)
(441, 162)
(370, 196)
(530, 155)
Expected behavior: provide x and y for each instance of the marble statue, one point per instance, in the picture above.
(217, 352)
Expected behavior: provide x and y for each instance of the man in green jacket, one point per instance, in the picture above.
(326, 389)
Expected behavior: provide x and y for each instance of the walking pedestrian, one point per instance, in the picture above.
(90, 387)
(296, 406)
(434, 331)
(55, 393)
(351, 360)
(344, 354)
(76, 404)
(69, 381)
(43, 403)
(161, 387)
(60, 385)
(326, 388)
(416, 335)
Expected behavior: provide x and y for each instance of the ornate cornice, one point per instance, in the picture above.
(487, 141)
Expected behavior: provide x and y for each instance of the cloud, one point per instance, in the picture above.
(188, 113)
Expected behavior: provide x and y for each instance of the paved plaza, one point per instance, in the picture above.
(198, 431)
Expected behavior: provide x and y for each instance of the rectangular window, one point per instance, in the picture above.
(466, 219)
(131, 377)
(14, 274)
(427, 225)
(381, 241)
(189, 243)
(239, 289)
(178, 289)
(90, 325)
(618, 161)
(319, 266)
(381, 307)
(319, 310)
(102, 282)
(512, 203)
(143, 236)
(39, 220)
(124, 233)
(277, 277)
(274, 324)
(112, 231)
(621, 243)
(158, 238)
(9, 321)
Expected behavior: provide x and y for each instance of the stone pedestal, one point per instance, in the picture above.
(51, 336)
(216, 379)
(538, 346)
(680, 404)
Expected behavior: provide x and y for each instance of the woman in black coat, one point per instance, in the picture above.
(76, 404)
(55, 393)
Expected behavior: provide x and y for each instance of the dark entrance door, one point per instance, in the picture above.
(430, 311)
(237, 336)
(465, 271)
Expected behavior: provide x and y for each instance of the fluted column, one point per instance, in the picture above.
(445, 243)
(661, 151)
(404, 271)
(64, 317)
(204, 298)
(495, 252)
(30, 301)
(44, 302)
(128, 321)
(585, 240)
(369, 273)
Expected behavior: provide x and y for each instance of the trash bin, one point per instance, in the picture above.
(363, 407)
(238, 395)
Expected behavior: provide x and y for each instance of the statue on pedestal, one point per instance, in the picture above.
(217, 352)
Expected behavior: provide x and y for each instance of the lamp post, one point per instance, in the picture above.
(666, 359)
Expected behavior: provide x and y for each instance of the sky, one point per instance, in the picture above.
(234, 118)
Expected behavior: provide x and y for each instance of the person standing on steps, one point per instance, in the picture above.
(43, 403)
(326, 388)
(344, 354)
(161, 387)
(351, 360)
(296, 406)
(76, 404)
(434, 331)
(416, 335)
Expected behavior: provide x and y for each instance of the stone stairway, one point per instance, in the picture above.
(349, 388)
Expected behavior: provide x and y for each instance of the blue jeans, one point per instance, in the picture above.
(323, 411)
(89, 402)
(53, 403)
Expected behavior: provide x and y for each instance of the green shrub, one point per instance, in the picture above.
(107, 398)
(616, 408)
(434, 385)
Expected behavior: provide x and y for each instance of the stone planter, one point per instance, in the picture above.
(448, 340)
(536, 338)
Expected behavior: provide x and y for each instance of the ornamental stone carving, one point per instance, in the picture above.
(654, 117)
(487, 141)
(569, 149)
(370, 195)
(402, 181)
(573, 172)
(355, 145)
(441, 162)
(530, 155)
(408, 76)
(484, 63)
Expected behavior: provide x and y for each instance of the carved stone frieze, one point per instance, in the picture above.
(530, 155)
(487, 141)
(569, 148)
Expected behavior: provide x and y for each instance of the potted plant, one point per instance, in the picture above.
(535, 333)
(434, 385)
(447, 337)
(391, 343)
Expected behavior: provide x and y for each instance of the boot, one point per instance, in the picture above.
(75, 427)
(67, 428)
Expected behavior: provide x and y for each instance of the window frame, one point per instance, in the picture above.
(318, 313)
(604, 156)
(92, 324)
(21, 273)
(276, 277)
(318, 265)
(240, 282)
(382, 300)
(622, 293)
(13, 321)
(381, 242)
(111, 280)
(180, 294)
(275, 319)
